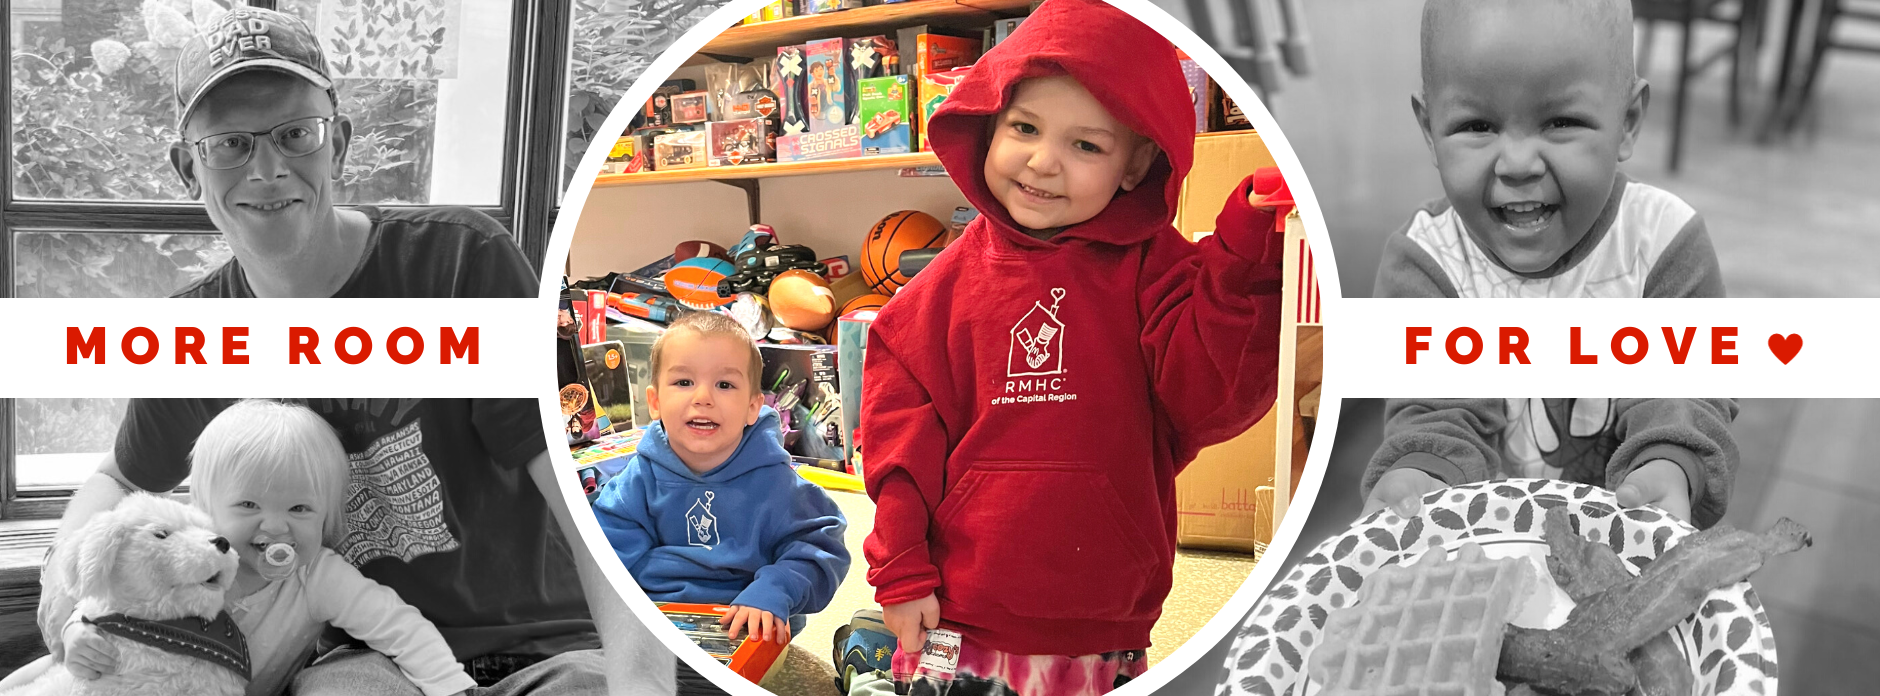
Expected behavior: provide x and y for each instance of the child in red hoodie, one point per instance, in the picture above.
(1030, 396)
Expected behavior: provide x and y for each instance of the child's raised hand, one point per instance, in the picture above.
(87, 654)
(1402, 490)
(760, 624)
(1659, 482)
(909, 621)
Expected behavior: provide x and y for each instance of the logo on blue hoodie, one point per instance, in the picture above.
(701, 526)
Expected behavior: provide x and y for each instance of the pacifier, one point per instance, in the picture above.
(277, 560)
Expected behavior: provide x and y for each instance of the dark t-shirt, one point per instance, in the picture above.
(443, 510)
(415, 252)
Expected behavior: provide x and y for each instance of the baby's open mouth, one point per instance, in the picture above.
(703, 424)
(1041, 193)
(1525, 215)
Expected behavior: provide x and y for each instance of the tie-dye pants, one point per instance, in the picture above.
(986, 672)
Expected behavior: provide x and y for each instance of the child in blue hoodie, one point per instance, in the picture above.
(709, 510)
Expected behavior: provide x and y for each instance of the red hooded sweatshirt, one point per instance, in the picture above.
(1028, 403)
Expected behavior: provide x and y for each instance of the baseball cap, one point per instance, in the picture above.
(244, 39)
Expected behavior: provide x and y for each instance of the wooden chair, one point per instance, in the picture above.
(1744, 17)
(1823, 39)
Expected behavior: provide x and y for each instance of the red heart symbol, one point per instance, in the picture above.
(1785, 347)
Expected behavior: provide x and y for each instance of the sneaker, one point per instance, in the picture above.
(862, 646)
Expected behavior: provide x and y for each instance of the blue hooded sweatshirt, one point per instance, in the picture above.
(749, 532)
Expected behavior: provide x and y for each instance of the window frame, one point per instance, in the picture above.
(527, 207)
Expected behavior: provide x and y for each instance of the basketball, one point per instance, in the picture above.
(801, 300)
(881, 250)
(695, 282)
(695, 249)
(861, 303)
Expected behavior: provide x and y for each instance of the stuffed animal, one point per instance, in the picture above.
(150, 574)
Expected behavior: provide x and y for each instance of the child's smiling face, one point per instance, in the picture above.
(704, 396)
(1527, 117)
(255, 517)
(1057, 157)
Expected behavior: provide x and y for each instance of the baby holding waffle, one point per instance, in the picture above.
(1527, 129)
(273, 477)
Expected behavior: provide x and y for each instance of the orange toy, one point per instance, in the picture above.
(801, 300)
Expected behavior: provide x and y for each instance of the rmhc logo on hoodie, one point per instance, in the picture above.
(1038, 341)
(701, 526)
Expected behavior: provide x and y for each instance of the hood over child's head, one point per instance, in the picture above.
(1078, 126)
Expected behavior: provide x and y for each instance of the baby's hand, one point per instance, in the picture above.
(87, 654)
(909, 621)
(1402, 489)
(1659, 482)
(760, 624)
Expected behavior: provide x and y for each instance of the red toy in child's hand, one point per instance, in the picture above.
(1271, 191)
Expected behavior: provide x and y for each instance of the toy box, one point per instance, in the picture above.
(864, 58)
(790, 81)
(942, 46)
(680, 151)
(1227, 115)
(815, 146)
(826, 94)
(608, 377)
(822, 6)
(934, 88)
(625, 157)
(1002, 29)
(1197, 92)
(583, 423)
(851, 347)
(690, 107)
(636, 339)
(800, 381)
(744, 141)
(658, 110)
(751, 659)
(886, 119)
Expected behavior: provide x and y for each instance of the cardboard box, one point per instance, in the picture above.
(886, 119)
(744, 141)
(936, 53)
(825, 91)
(609, 376)
(865, 58)
(1002, 29)
(680, 151)
(790, 82)
(934, 88)
(816, 146)
(801, 382)
(824, 6)
(1221, 163)
(1217, 497)
(907, 40)
(636, 339)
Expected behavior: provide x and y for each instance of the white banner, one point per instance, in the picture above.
(301, 348)
(1611, 348)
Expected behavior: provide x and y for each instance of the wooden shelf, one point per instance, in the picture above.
(762, 39)
(764, 171)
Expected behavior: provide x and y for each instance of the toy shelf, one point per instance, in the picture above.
(772, 169)
(761, 40)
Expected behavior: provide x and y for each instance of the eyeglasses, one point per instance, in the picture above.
(296, 138)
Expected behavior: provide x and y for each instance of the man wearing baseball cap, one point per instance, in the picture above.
(441, 509)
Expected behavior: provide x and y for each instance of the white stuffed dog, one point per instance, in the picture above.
(150, 575)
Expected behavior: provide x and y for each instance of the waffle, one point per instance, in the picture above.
(1429, 629)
